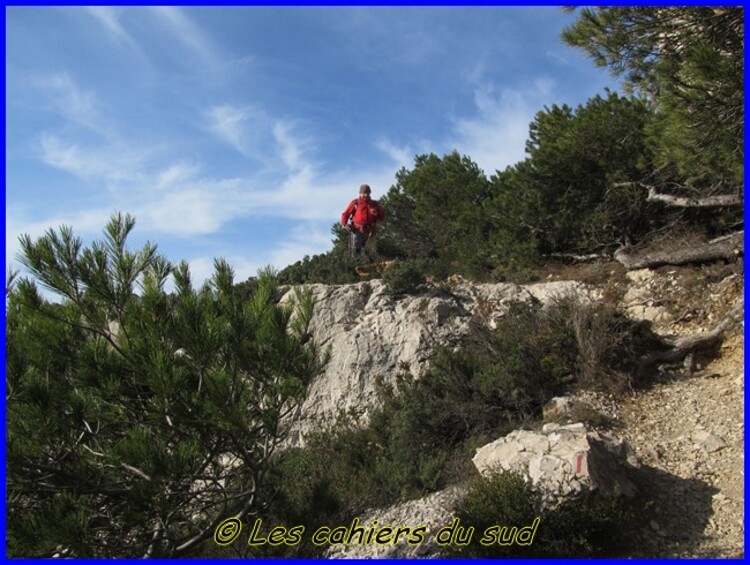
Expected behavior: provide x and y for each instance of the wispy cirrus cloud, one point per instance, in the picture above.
(144, 23)
(227, 122)
(109, 17)
(193, 208)
(493, 133)
(19, 222)
(242, 128)
(173, 195)
(75, 104)
(402, 156)
(185, 32)
(109, 165)
(495, 136)
(176, 174)
(292, 147)
(307, 238)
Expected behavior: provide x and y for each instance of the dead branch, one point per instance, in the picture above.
(715, 201)
(578, 258)
(728, 247)
(692, 343)
(705, 202)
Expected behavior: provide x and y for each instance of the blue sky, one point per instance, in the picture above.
(243, 132)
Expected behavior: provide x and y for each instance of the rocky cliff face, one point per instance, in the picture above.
(372, 334)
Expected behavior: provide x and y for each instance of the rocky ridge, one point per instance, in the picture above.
(687, 429)
(373, 335)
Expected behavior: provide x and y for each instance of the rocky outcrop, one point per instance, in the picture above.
(372, 334)
(432, 513)
(561, 461)
(687, 432)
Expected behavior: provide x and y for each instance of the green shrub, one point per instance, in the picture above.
(403, 278)
(583, 527)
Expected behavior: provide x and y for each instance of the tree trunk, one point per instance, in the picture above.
(728, 247)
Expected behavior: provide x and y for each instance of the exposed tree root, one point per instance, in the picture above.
(573, 258)
(694, 343)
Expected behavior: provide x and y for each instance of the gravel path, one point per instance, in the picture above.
(688, 431)
(689, 434)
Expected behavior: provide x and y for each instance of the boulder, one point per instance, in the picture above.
(561, 461)
(557, 408)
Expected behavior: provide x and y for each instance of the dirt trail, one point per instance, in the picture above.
(689, 435)
(688, 428)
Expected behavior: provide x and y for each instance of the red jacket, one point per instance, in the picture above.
(364, 213)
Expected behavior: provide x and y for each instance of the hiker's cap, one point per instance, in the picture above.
(364, 189)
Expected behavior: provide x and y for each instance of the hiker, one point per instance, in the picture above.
(360, 219)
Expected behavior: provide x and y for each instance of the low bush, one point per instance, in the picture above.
(494, 506)
(608, 344)
(404, 277)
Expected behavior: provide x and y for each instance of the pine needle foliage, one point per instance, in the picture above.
(137, 418)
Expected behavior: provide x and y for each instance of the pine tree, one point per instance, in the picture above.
(560, 199)
(690, 61)
(435, 210)
(138, 419)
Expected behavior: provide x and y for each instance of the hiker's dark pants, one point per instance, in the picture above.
(361, 242)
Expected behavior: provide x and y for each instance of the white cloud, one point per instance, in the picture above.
(76, 105)
(109, 17)
(176, 174)
(226, 122)
(193, 208)
(401, 156)
(496, 135)
(304, 239)
(188, 34)
(240, 128)
(169, 193)
(308, 238)
(291, 148)
(18, 223)
(109, 164)
(195, 45)
(176, 196)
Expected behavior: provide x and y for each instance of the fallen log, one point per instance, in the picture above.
(573, 258)
(729, 247)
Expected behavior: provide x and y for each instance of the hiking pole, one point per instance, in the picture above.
(350, 239)
(367, 243)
